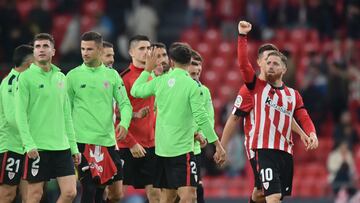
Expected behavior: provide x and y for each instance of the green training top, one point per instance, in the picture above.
(179, 102)
(9, 134)
(210, 110)
(92, 92)
(43, 111)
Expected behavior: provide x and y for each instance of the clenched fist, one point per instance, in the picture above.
(244, 27)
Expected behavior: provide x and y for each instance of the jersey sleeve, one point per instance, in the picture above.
(201, 117)
(143, 87)
(69, 127)
(123, 101)
(70, 89)
(21, 108)
(243, 103)
(246, 70)
(301, 115)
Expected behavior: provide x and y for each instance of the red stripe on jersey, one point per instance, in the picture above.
(286, 132)
(275, 143)
(188, 169)
(26, 167)
(3, 167)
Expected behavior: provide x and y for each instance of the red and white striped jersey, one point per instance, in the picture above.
(274, 108)
(243, 107)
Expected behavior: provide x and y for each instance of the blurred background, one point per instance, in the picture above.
(321, 39)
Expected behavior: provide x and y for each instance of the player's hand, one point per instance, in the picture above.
(137, 151)
(33, 154)
(306, 140)
(120, 132)
(220, 154)
(314, 142)
(244, 27)
(201, 139)
(77, 159)
(151, 59)
(143, 112)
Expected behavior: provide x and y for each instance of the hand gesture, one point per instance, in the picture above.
(77, 159)
(201, 139)
(120, 132)
(244, 27)
(33, 154)
(143, 112)
(151, 59)
(137, 151)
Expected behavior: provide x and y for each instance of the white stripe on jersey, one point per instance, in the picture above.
(264, 95)
(288, 136)
(282, 120)
(272, 126)
(251, 133)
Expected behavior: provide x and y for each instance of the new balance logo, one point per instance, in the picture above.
(41, 86)
(83, 86)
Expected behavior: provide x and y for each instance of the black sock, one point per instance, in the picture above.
(200, 194)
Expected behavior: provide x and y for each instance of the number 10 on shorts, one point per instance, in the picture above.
(266, 174)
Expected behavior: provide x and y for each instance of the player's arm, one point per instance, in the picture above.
(246, 70)
(69, 127)
(229, 129)
(123, 102)
(298, 130)
(202, 120)
(143, 87)
(70, 89)
(2, 114)
(22, 96)
(302, 117)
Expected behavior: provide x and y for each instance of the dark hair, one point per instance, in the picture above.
(21, 53)
(44, 36)
(181, 44)
(196, 55)
(180, 54)
(107, 44)
(266, 47)
(158, 45)
(92, 36)
(136, 39)
(280, 55)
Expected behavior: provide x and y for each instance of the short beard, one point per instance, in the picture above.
(272, 78)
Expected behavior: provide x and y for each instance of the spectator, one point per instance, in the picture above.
(345, 132)
(342, 169)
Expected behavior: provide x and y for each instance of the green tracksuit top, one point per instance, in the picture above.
(92, 91)
(179, 103)
(43, 112)
(9, 135)
(210, 110)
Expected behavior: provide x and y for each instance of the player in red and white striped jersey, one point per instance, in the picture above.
(275, 105)
(243, 108)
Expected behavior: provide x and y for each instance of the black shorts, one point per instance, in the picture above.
(11, 168)
(50, 164)
(198, 167)
(175, 172)
(139, 172)
(257, 180)
(114, 156)
(275, 171)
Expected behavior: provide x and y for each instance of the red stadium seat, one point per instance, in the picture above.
(212, 36)
(93, 7)
(87, 23)
(24, 7)
(206, 50)
(191, 36)
(60, 24)
(220, 65)
(233, 79)
(298, 36)
(227, 50)
(282, 35)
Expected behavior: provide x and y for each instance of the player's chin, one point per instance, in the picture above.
(272, 77)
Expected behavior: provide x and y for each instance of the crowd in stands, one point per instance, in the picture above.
(321, 39)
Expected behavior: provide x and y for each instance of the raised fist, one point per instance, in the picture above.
(244, 27)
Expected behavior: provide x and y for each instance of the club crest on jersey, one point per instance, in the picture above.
(11, 175)
(238, 101)
(61, 84)
(289, 99)
(272, 104)
(106, 84)
(266, 185)
(171, 82)
(34, 171)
